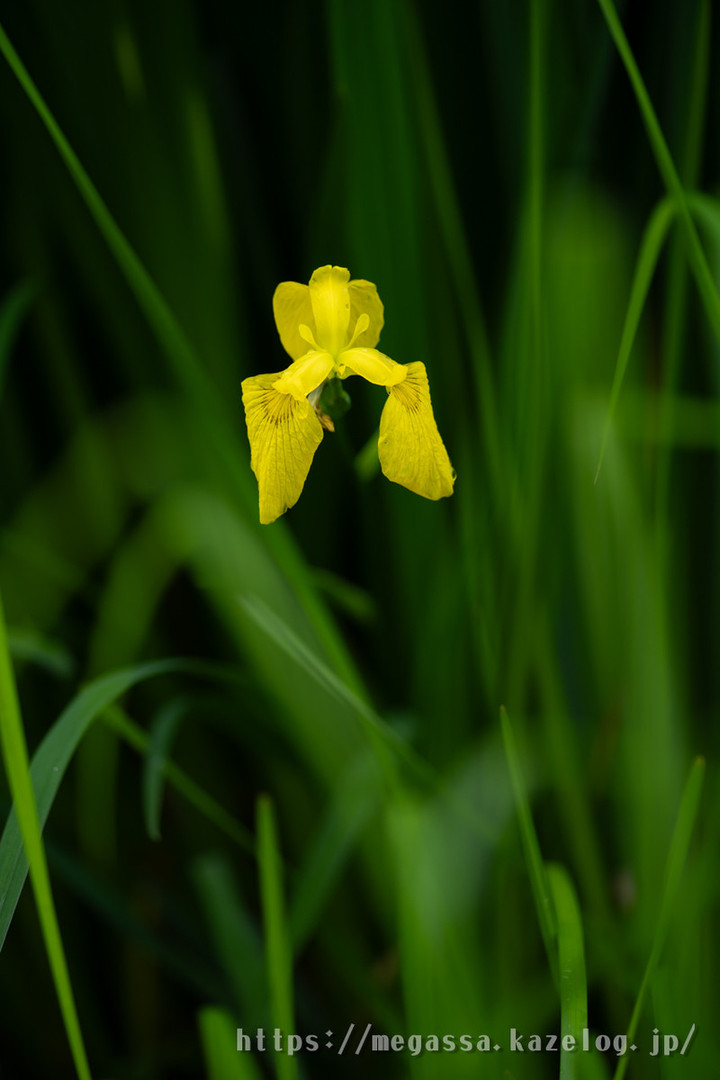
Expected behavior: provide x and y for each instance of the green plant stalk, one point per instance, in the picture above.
(121, 724)
(676, 293)
(456, 244)
(666, 166)
(679, 846)
(534, 447)
(652, 243)
(389, 748)
(223, 1062)
(277, 943)
(12, 312)
(571, 961)
(162, 735)
(531, 845)
(17, 767)
(571, 791)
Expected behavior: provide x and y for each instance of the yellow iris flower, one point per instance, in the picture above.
(330, 329)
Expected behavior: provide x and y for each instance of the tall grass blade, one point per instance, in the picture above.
(675, 323)
(666, 166)
(571, 964)
(677, 857)
(277, 943)
(12, 312)
(162, 733)
(236, 938)
(45, 653)
(650, 248)
(381, 736)
(146, 292)
(219, 1039)
(198, 798)
(357, 797)
(533, 856)
(28, 843)
(49, 764)
(456, 241)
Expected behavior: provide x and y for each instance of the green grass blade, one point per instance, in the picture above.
(531, 846)
(146, 292)
(205, 804)
(677, 856)
(706, 211)
(675, 301)
(285, 637)
(564, 758)
(236, 938)
(91, 889)
(384, 740)
(354, 802)
(49, 764)
(650, 248)
(535, 406)
(13, 311)
(219, 1039)
(29, 842)
(663, 157)
(571, 963)
(381, 736)
(277, 944)
(456, 242)
(52, 656)
(162, 733)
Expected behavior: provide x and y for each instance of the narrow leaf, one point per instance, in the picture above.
(679, 847)
(277, 943)
(12, 313)
(531, 845)
(162, 733)
(650, 248)
(571, 965)
(48, 768)
(223, 1059)
(28, 848)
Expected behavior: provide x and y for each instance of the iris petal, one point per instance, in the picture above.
(284, 434)
(331, 307)
(305, 375)
(410, 449)
(292, 307)
(372, 365)
(364, 299)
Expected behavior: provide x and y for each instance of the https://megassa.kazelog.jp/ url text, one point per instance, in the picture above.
(357, 1039)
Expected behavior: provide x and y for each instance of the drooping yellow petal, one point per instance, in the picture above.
(374, 366)
(364, 299)
(331, 307)
(410, 449)
(284, 434)
(292, 308)
(305, 375)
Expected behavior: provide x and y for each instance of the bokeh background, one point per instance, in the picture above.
(277, 786)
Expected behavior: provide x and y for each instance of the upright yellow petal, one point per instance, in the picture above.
(372, 365)
(284, 434)
(410, 449)
(364, 299)
(331, 307)
(292, 308)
